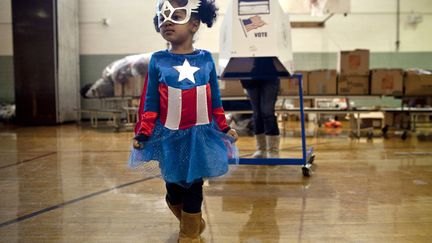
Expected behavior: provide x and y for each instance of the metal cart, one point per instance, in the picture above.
(307, 154)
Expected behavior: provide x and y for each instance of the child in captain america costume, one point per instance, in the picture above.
(182, 123)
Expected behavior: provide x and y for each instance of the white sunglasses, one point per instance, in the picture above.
(180, 15)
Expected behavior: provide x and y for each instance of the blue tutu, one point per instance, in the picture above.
(185, 156)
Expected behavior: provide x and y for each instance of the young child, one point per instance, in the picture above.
(183, 123)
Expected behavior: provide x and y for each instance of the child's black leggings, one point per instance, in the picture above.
(191, 197)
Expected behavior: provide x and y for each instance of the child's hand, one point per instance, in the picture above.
(233, 134)
(139, 141)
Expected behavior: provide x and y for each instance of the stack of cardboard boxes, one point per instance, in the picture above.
(355, 78)
(354, 72)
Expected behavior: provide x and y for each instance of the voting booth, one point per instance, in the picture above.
(255, 41)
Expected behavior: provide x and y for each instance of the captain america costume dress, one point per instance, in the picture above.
(181, 114)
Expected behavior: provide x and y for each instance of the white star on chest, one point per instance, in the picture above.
(186, 71)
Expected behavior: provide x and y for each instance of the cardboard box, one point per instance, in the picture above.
(353, 85)
(417, 83)
(231, 88)
(387, 82)
(354, 62)
(322, 82)
(291, 87)
(132, 87)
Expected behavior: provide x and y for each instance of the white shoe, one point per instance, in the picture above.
(273, 146)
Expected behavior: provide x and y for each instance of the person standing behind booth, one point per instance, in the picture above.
(262, 90)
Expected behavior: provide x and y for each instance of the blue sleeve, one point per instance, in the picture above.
(152, 94)
(214, 86)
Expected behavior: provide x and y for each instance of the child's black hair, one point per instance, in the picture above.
(207, 13)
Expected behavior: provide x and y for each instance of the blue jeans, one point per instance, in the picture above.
(263, 95)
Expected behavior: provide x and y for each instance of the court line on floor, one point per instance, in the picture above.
(27, 160)
(61, 205)
(51, 153)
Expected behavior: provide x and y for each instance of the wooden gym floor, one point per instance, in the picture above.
(71, 184)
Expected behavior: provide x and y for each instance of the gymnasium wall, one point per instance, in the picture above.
(371, 25)
(129, 30)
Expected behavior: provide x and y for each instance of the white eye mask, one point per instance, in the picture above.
(181, 15)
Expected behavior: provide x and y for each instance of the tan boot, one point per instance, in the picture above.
(260, 146)
(273, 146)
(190, 224)
(176, 210)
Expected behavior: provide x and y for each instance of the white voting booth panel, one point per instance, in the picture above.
(255, 32)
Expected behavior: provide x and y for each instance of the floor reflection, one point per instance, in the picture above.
(72, 184)
(262, 224)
